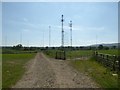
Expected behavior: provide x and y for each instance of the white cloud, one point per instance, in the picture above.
(96, 28)
(76, 17)
(60, 0)
(26, 30)
(81, 28)
(25, 19)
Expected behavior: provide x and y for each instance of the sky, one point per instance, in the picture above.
(28, 23)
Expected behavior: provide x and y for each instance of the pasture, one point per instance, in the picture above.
(0, 71)
(13, 67)
(97, 71)
(111, 52)
(91, 67)
(70, 54)
(80, 53)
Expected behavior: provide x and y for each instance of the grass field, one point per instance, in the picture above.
(13, 51)
(13, 67)
(0, 71)
(70, 54)
(112, 52)
(99, 73)
(95, 70)
(79, 53)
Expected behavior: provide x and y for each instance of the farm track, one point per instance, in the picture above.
(43, 72)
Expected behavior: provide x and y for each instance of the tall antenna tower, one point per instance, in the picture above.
(96, 41)
(5, 40)
(43, 38)
(71, 33)
(49, 36)
(21, 37)
(62, 20)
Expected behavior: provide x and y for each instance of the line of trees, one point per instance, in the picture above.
(100, 47)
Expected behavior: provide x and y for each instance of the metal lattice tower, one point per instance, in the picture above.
(49, 36)
(71, 33)
(62, 20)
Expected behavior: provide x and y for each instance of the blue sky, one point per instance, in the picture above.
(28, 23)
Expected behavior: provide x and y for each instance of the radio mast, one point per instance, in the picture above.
(71, 33)
(49, 36)
(62, 20)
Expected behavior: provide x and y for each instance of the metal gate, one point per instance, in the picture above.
(60, 55)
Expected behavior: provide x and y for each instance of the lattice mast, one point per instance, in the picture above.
(71, 33)
(49, 36)
(62, 20)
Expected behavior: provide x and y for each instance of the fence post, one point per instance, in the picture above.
(117, 64)
(64, 55)
(96, 55)
(106, 61)
(56, 56)
(114, 63)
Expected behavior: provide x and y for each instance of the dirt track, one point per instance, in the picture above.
(43, 72)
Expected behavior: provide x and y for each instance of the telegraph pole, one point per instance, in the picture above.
(62, 20)
(49, 36)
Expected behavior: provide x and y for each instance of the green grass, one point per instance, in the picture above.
(50, 53)
(70, 54)
(99, 73)
(14, 51)
(112, 51)
(78, 53)
(0, 71)
(95, 70)
(13, 67)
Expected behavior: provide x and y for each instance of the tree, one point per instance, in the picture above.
(100, 47)
(19, 46)
(106, 48)
(114, 47)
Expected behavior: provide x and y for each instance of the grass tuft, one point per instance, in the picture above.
(13, 68)
(98, 72)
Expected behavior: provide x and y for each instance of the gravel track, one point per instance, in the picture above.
(43, 72)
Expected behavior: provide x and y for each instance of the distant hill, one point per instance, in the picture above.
(108, 45)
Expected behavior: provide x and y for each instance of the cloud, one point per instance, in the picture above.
(95, 28)
(29, 26)
(26, 30)
(25, 19)
(80, 28)
(76, 17)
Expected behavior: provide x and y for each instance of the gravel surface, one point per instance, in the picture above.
(43, 72)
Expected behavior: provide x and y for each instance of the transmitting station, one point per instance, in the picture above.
(49, 36)
(71, 33)
(62, 20)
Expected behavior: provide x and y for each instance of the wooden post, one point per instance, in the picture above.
(106, 61)
(114, 63)
(56, 56)
(64, 55)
